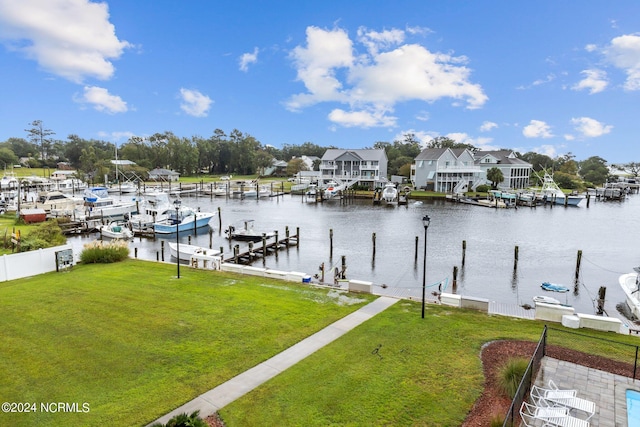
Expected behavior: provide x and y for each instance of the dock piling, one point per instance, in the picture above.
(464, 251)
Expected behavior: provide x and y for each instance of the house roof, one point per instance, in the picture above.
(363, 154)
(431, 153)
(161, 171)
(504, 157)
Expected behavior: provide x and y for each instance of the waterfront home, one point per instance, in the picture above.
(446, 170)
(165, 175)
(516, 171)
(365, 167)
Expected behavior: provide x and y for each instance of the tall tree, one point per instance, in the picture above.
(594, 170)
(40, 136)
(496, 176)
(446, 142)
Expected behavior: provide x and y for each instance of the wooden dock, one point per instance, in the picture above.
(263, 248)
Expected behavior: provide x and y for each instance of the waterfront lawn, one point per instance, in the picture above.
(395, 369)
(134, 342)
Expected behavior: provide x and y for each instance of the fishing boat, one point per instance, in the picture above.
(54, 200)
(554, 287)
(115, 230)
(552, 193)
(389, 193)
(630, 284)
(182, 219)
(154, 207)
(246, 232)
(187, 251)
(98, 204)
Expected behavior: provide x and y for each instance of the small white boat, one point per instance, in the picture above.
(389, 193)
(115, 230)
(546, 300)
(332, 190)
(630, 284)
(186, 251)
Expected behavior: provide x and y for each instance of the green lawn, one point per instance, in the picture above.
(135, 342)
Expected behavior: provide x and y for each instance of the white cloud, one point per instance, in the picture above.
(547, 150)
(590, 128)
(487, 126)
(537, 129)
(116, 136)
(483, 143)
(69, 38)
(102, 100)
(595, 81)
(569, 137)
(388, 73)
(422, 136)
(363, 119)
(423, 116)
(624, 53)
(248, 58)
(194, 103)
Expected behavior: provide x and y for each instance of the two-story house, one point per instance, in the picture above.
(516, 171)
(446, 170)
(367, 167)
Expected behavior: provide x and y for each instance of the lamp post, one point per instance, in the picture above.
(425, 222)
(177, 203)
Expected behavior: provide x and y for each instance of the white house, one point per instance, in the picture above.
(516, 171)
(160, 174)
(446, 170)
(363, 166)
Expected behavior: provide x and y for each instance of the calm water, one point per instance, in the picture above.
(548, 241)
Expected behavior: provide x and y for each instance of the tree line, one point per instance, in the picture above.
(239, 153)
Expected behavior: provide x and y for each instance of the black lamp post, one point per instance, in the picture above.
(177, 203)
(425, 221)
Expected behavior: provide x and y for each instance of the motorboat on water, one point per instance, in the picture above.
(182, 219)
(389, 193)
(332, 190)
(98, 204)
(554, 287)
(153, 207)
(246, 232)
(545, 299)
(115, 230)
(552, 193)
(187, 251)
(630, 284)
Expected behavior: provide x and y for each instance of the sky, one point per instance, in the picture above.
(555, 77)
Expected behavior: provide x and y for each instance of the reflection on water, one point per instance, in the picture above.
(548, 240)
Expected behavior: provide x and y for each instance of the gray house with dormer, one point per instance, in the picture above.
(366, 167)
(516, 171)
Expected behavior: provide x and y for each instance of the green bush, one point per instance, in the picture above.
(184, 420)
(45, 235)
(483, 188)
(99, 252)
(510, 375)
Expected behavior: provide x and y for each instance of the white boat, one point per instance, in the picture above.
(630, 284)
(9, 181)
(186, 219)
(246, 232)
(546, 300)
(154, 206)
(389, 193)
(115, 230)
(332, 190)
(70, 185)
(54, 200)
(187, 251)
(98, 204)
(552, 193)
(123, 188)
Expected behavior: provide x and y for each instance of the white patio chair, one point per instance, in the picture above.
(566, 398)
(551, 415)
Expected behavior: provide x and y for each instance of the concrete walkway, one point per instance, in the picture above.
(211, 401)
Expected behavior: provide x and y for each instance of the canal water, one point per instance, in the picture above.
(548, 241)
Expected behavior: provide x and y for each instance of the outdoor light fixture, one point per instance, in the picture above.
(177, 203)
(425, 222)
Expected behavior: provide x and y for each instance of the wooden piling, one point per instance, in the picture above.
(162, 249)
(464, 251)
(297, 237)
(135, 252)
(415, 253)
(601, 294)
(219, 219)
(373, 238)
(455, 278)
(515, 258)
(157, 256)
(588, 199)
(578, 261)
(330, 243)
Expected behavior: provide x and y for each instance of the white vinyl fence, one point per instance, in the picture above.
(25, 264)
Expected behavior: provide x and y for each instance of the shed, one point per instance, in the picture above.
(33, 215)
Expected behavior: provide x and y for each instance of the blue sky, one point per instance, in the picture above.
(548, 76)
